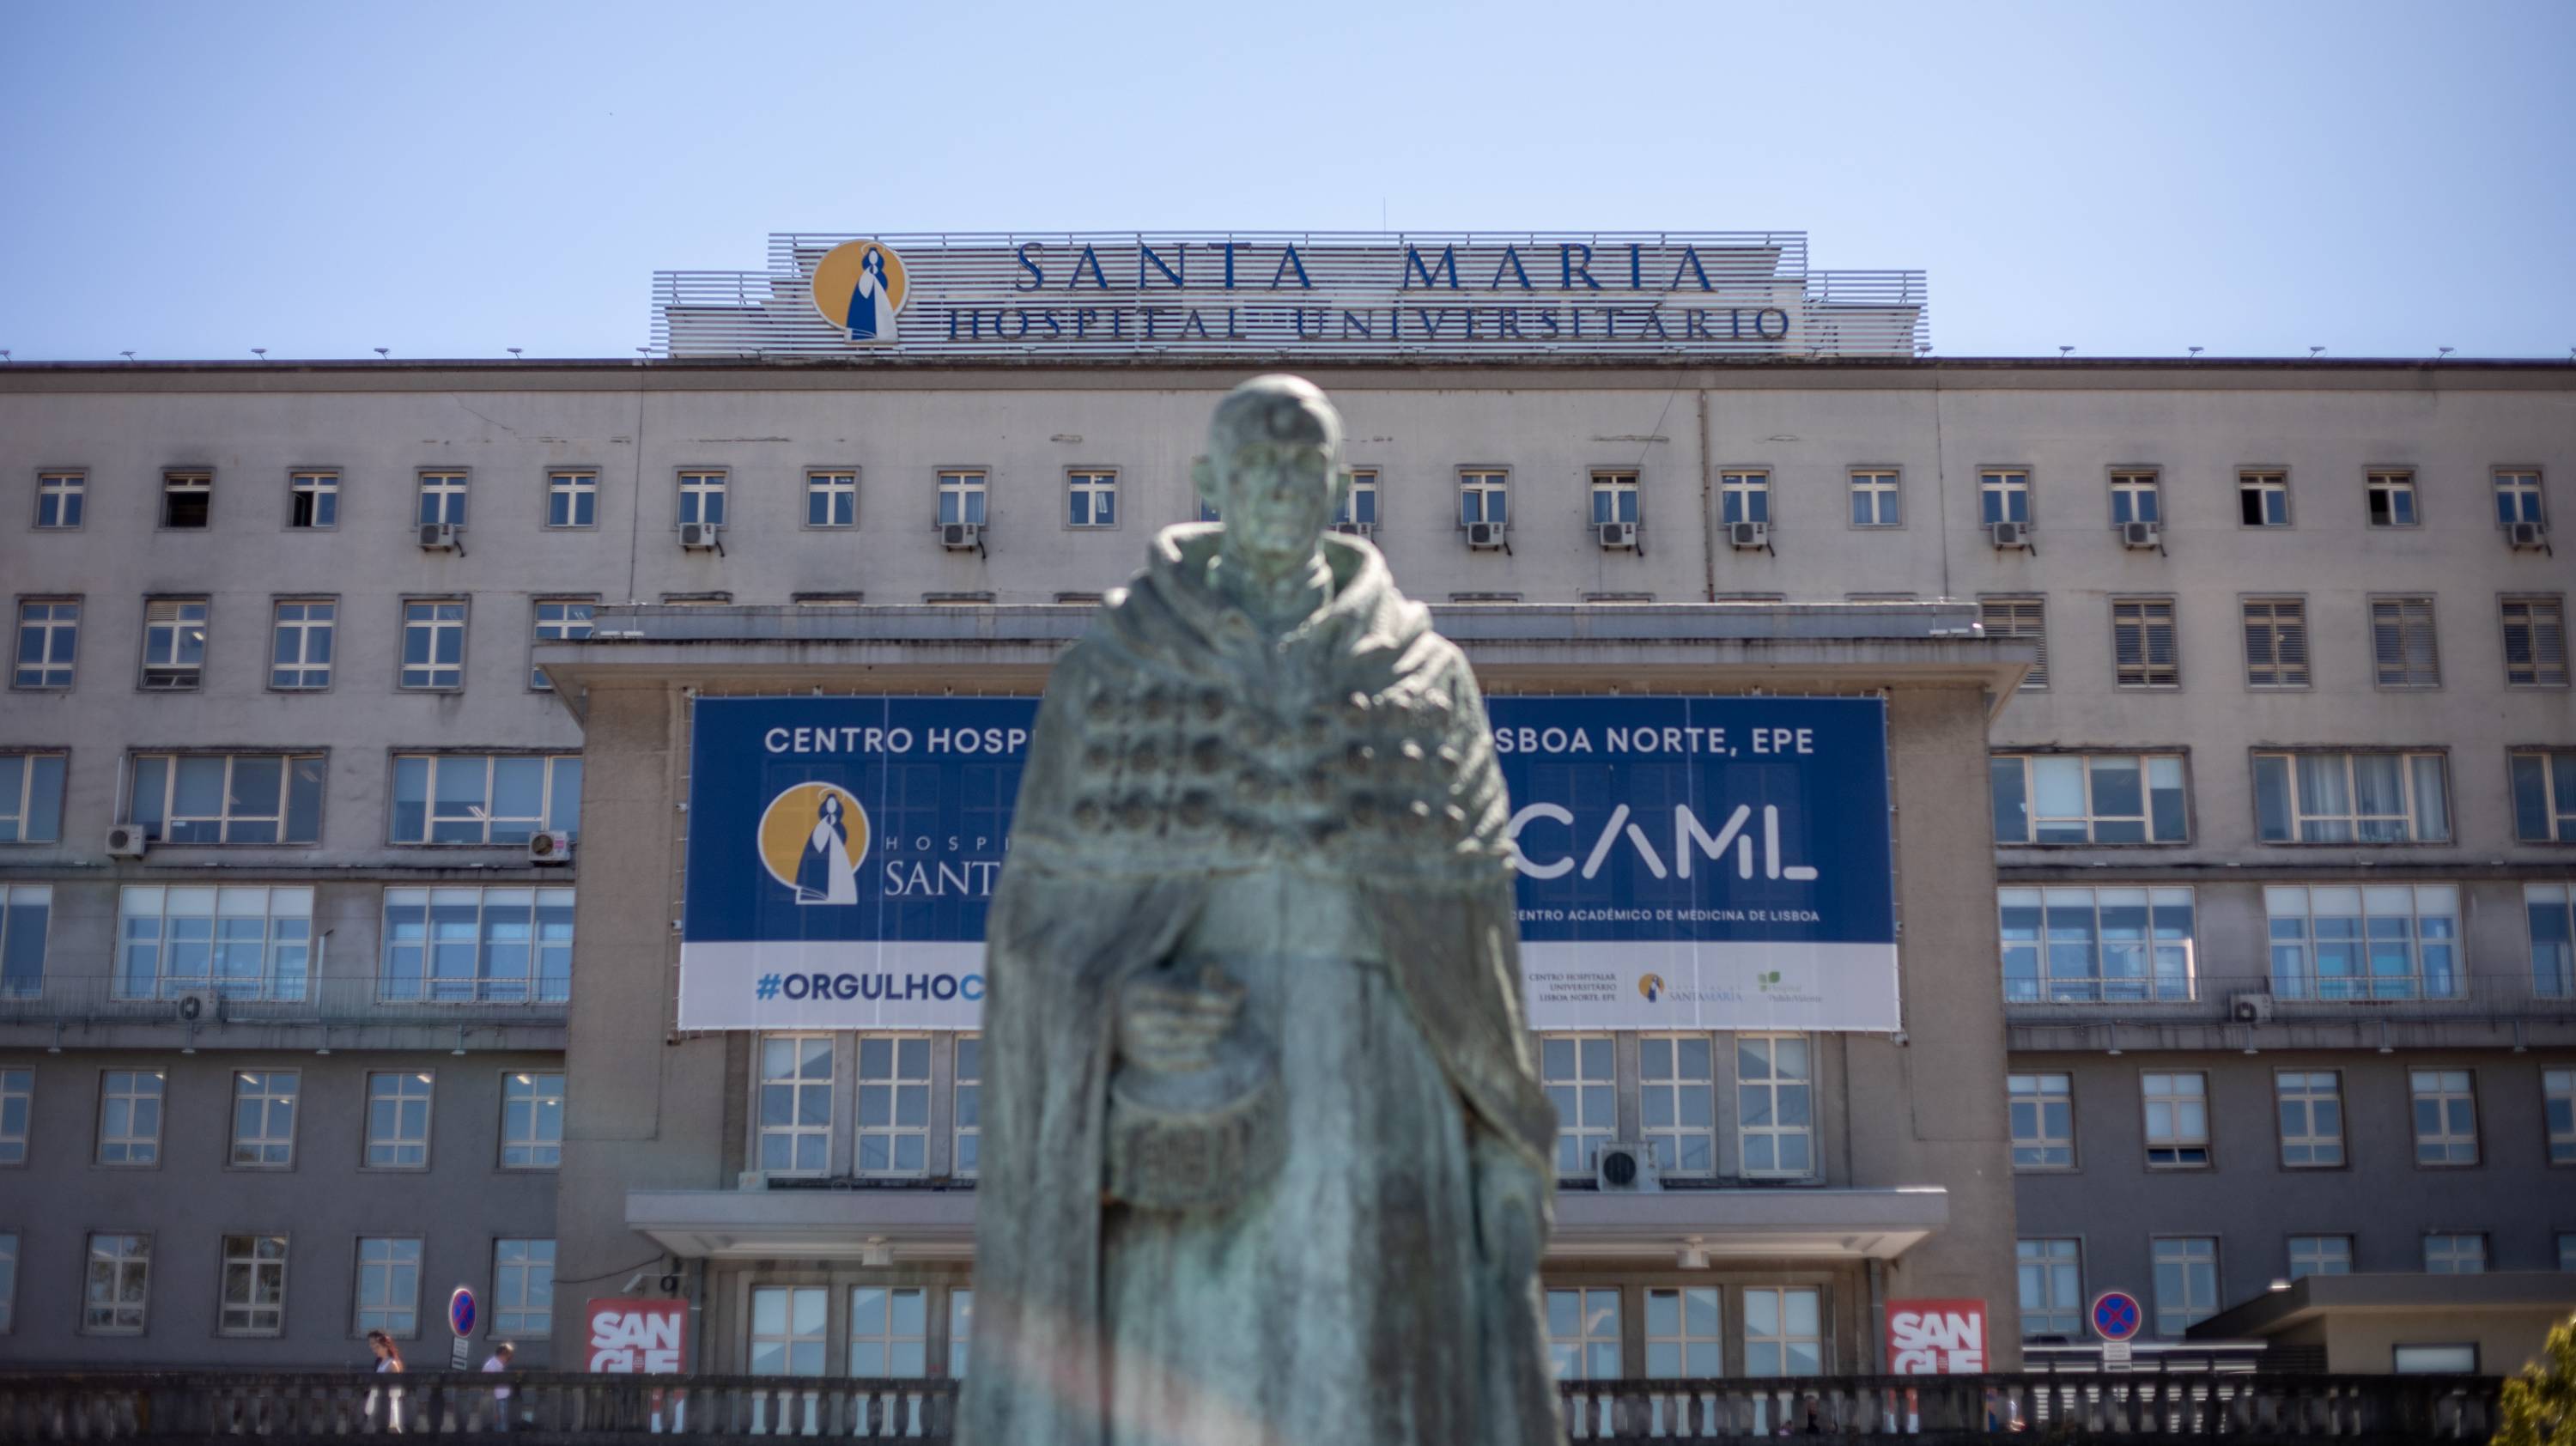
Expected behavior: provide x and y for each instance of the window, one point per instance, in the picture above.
(48, 644)
(2434, 1360)
(59, 496)
(2135, 497)
(532, 1114)
(787, 1330)
(1208, 510)
(264, 1118)
(1744, 496)
(25, 911)
(484, 798)
(2382, 941)
(894, 1104)
(2517, 497)
(2558, 1101)
(572, 499)
(388, 1285)
(129, 1117)
(433, 655)
(1773, 1110)
(174, 643)
(299, 655)
(1091, 499)
(2072, 945)
(1876, 500)
(1677, 1093)
(2392, 499)
(2311, 1109)
(313, 500)
(2455, 1255)
(1577, 1073)
(2402, 649)
(1583, 1335)
(1358, 507)
(254, 1285)
(119, 1288)
(2276, 642)
(1784, 1332)
(523, 1288)
(2186, 1270)
(831, 499)
(2553, 939)
(796, 1104)
(478, 946)
(2341, 798)
(2566, 1261)
(961, 497)
(245, 942)
(889, 1332)
(227, 798)
(2544, 795)
(17, 1104)
(2446, 1116)
(2263, 499)
(2535, 641)
(2320, 1255)
(702, 498)
(2019, 617)
(2177, 1119)
(1614, 497)
(961, 1329)
(442, 499)
(2043, 1121)
(398, 1121)
(2088, 798)
(966, 1099)
(2052, 1288)
(2142, 643)
(1484, 497)
(9, 1278)
(2003, 496)
(1683, 1336)
(187, 499)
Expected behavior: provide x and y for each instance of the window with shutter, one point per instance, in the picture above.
(2276, 642)
(2401, 643)
(2535, 642)
(2142, 643)
(2019, 617)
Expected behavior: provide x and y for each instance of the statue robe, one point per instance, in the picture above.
(1181, 752)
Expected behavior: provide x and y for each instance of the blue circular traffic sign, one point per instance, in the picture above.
(2116, 1315)
(460, 1312)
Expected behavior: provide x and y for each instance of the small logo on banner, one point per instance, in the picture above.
(1651, 986)
(813, 837)
(859, 286)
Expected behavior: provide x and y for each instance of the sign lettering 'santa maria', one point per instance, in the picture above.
(1715, 863)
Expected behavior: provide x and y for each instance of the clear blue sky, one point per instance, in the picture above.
(193, 180)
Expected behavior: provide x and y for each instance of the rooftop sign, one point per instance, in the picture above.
(1290, 293)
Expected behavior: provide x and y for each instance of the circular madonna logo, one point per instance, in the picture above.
(813, 837)
(859, 286)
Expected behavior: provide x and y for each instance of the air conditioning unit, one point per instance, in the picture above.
(2522, 535)
(554, 847)
(127, 841)
(197, 1006)
(2137, 534)
(1749, 536)
(698, 536)
(438, 536)
(2009, 534)
(961, 536)
(2252, 1007)
(1485, 534)
(1356, 529)
(1618, 534)
(1625, 1167)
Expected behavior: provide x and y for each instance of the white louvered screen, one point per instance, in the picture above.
(2535, 642)
(2402, 651)
(2019, 617)
(2142, 643)
(2276, 642)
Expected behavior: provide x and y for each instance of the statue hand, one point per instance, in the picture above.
(1173, 1028)
(1512, 1199)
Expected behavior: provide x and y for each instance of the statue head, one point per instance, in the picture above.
(1273, 469)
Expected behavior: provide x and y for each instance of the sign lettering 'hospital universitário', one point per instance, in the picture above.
(1670, 293)
(1686, 863)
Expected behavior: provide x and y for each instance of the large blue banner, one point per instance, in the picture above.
(1712, 863)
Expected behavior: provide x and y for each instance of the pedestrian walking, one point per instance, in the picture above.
(496, 1364)
(389, 1362)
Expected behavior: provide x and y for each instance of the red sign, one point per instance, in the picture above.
(637, 1337)
(1936, 1337)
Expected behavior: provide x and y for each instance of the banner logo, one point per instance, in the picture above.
(1651, 986)
(859, 286)
(813, 837)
